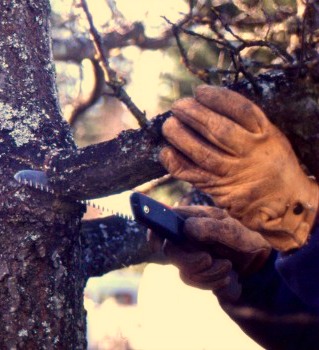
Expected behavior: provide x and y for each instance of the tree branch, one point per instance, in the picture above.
(109, 167)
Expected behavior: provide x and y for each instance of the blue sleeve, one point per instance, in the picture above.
(300, 271)
(279, 305)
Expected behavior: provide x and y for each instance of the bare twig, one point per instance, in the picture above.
(151, 185)
(235, 48)
(223, 43)
(112, 80)
(247, 74)
(97, 90)
(260, 43)
(201, 74)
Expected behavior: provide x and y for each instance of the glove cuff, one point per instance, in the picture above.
(292, 230)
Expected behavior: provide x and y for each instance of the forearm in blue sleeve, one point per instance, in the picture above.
(273, 308)
(300, 270)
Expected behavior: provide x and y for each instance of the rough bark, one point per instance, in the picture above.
(41, 278)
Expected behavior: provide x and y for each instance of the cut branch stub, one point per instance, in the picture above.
(113, 243)
(109, 167)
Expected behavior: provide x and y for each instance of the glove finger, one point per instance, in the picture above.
(201, 211)
(214, 278)
(228, 232)
(189, 262)
(218, 270)
(182, 168)
(189, 143)
(154, 240)
(219, 130)
(231, 291)
(232, 105)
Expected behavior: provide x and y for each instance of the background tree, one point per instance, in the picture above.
(267, 50)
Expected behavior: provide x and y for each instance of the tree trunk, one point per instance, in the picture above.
(41, 277)
(43, 263)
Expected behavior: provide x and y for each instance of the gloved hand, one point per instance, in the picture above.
(217, 249)
(225, 145)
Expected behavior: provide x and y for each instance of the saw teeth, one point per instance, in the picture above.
(39, 180)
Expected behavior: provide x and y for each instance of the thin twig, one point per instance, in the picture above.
(248, 75)
(201, 74)
(233, 50)
(244, 44)
(152, 185)
(96, 92)
(205, 37)
(111, 76)
(260, 43)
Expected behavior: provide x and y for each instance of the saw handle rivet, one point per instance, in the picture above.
(146, 209)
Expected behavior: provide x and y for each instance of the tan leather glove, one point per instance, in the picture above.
(225, 145)
(216, 249)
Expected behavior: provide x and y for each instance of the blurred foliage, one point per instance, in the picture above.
(211, 41)
(218, 28)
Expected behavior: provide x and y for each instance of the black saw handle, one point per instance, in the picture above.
(170, 225)
(158, 217)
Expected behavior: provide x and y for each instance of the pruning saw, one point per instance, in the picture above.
(142, 208)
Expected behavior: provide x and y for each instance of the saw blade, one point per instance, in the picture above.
(34, 178)
(118, 204)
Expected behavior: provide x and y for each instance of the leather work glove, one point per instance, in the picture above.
(216, 251)
(224, 145)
